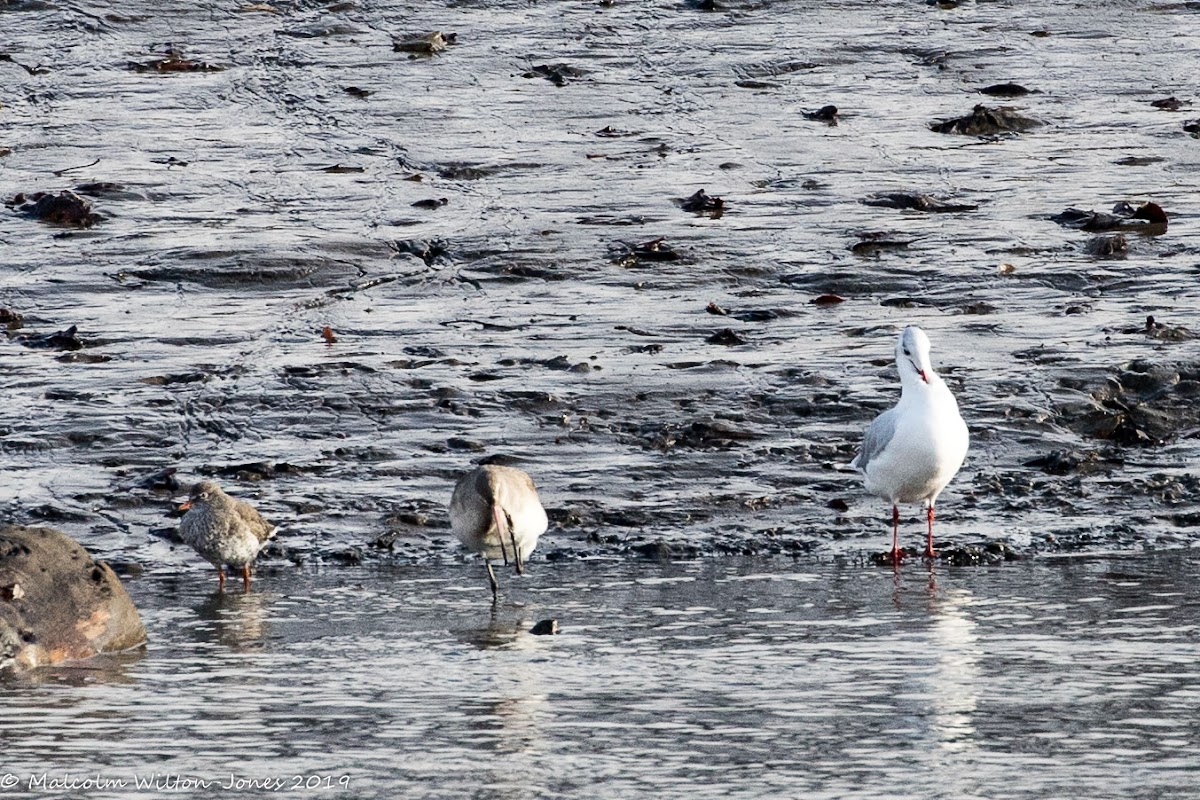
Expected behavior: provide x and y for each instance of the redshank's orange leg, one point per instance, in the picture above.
(245, 577)
(220, 579)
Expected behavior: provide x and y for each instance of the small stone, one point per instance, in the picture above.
(1169, 103)
(546, 627)
(704, 203)
(727, 337)
(425, 44)
(1007, 90)
(828, 114)
(827, 300)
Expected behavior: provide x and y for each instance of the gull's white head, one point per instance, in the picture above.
(912, 356)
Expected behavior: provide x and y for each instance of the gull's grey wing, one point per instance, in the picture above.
(878, 434)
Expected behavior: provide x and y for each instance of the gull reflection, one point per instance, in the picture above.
(955, 679)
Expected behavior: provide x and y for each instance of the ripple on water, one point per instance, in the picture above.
(421, 688)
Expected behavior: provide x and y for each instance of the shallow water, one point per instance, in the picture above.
(737, 677)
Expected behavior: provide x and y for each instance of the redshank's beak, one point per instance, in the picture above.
(186, 505)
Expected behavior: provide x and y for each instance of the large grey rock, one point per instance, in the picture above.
(57, 603)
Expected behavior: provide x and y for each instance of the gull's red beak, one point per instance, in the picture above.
(924, 376)
(186, 505)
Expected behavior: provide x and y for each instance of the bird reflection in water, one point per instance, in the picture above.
(952, 688)
(239, 620)
(508, 714)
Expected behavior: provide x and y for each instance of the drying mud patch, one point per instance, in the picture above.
(1142, 405)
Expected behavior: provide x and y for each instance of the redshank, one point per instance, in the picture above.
(223, 530)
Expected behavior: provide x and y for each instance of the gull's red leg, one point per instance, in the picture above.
(929, 551)
(896, 555)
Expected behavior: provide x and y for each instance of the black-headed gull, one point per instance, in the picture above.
(912, 450)
(495, 511)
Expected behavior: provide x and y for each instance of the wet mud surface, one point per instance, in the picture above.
(331, 255)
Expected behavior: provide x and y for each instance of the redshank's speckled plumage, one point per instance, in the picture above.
(224, 530)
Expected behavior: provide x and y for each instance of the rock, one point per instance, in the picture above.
(558, 74)
(107, 189)
(64, 208)
(1147, 218)
(884, 559)
(1163, 332)
(827, 300)
(57, 603)
(546, 627)
(428, 251)
(350, 557)
(425, 44)
(663, 551)
(1007, 90)
(1109, 246)
(726, 337)
(826, 114)
(628, 254)
(1169, 104)
(1056, 462)
(11, 319)
(59, 340)
(174, 61)
(876, 242)
(984, 121)
(703, 203)
(914, 201)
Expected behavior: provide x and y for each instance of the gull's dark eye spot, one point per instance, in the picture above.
(906, 352)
